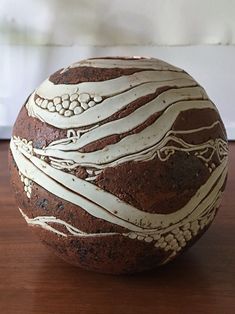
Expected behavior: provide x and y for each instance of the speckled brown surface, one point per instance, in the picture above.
(114, 254)
(85, 74)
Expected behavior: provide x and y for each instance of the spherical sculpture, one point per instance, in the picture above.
(118, 164)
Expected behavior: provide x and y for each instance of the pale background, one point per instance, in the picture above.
(39, 36)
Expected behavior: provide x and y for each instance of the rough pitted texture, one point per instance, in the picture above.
(118, 164)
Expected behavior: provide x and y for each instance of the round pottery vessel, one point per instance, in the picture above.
(119, 164)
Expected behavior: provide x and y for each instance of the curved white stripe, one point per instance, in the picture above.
(99, 112)
(133, 143)
(50, 90)
(25, 162)
(138, 63)
(116, 211)
(131, 121)
(44, 221)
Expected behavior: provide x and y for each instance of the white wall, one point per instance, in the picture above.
(117, 22)
(39, 36)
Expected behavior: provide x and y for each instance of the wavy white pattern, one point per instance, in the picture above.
(136, 62)
(113, 86)
(102, 204)
(139, 116)
(94, 114)
(132, 145)
(45, 221)
(172, 239)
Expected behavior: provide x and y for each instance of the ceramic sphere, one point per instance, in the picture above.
(118, 164)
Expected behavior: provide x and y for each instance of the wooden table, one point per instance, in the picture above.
(33, 280)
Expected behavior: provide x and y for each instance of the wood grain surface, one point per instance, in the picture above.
(33, 280)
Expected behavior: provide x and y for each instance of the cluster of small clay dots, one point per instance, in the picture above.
(177, 238)
(210, 165)
(27, 184)
(69, 105)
